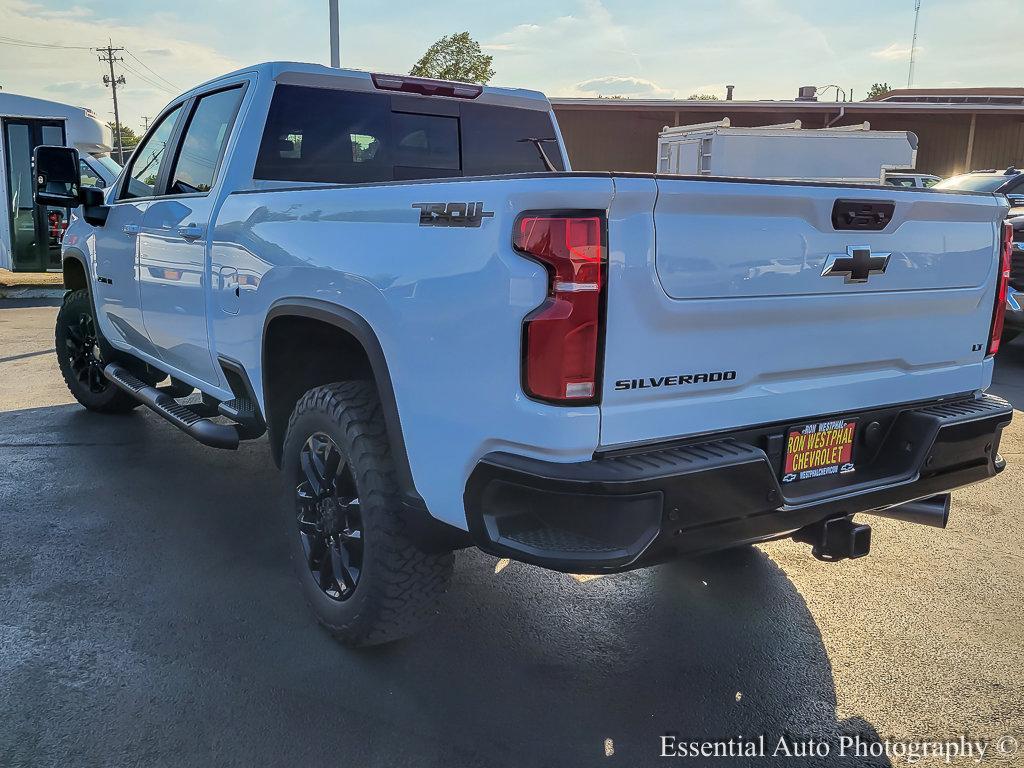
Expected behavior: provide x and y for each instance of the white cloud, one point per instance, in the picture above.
(623, 85)
(534, 52)
(894, 52)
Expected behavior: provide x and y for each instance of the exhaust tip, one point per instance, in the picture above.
(933, 511)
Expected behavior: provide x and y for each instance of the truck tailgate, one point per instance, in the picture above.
(726, 319)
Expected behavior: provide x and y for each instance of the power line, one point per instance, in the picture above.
(4, 40)
(176, 88)
(148, 80)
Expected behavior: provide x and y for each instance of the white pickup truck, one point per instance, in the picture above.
(451, 339)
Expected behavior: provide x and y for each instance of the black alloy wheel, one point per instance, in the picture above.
(83, 353)
(329, 520)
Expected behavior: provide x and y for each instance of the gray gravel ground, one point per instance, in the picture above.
(148, 617)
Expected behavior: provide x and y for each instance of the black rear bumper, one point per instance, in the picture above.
(631, 509)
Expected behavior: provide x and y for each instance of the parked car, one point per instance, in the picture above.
(909, 179)
(451, 339)
(1014, 322)
(1009, 182)
(98, 171)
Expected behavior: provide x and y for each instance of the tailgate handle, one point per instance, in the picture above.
(862, 215)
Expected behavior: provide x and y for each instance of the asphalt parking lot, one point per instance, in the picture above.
(148, 617)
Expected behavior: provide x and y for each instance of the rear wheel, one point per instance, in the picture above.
(80, 357)
(365, 578)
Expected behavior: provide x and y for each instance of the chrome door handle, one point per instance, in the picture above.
(191, 231)
(130, 229)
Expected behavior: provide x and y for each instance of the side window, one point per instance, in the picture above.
(204, 141)
(146, 159)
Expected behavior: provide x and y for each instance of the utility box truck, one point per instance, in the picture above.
(851, 154)
(29, 233)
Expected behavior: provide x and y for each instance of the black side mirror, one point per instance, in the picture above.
(57, 176)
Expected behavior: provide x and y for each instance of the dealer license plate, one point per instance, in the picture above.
(819, 450)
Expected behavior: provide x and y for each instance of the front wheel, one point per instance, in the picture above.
(80, 357)
(366, 580)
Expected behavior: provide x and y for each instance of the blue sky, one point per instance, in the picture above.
(639, 48)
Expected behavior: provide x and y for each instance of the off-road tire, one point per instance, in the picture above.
(400, 585)
(97, 394)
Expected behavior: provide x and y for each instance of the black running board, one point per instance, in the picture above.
(205, 431)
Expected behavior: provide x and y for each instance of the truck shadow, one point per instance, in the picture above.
(146, 578)
(707, 649)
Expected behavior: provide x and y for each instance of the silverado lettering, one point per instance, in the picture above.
(675, 381)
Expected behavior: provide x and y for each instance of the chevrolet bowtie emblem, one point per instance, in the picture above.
(857, 265)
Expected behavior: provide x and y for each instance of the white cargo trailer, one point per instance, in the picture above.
(849, 154)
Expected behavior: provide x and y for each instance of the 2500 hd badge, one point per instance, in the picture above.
(675, 381)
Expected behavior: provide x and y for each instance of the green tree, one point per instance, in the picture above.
(878, 90)
(455, 57)
(128, 137)
(702, 97)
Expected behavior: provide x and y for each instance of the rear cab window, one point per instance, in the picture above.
(346, 137)
(206, 134)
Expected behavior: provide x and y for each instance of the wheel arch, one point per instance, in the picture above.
(76, 274)
(353, 325)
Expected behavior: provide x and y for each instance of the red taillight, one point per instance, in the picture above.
(57, 225)
(999, 313)
(561, 337)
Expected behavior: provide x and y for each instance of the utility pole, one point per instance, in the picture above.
(145, 124)
(335, 42)
(107, 56)
(913, 44)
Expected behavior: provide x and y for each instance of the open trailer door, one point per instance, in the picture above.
(32, 232)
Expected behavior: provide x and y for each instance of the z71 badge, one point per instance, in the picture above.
(452, 214)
